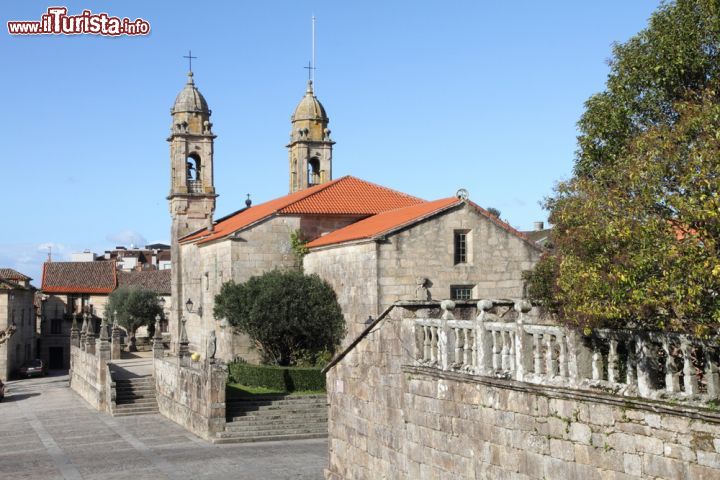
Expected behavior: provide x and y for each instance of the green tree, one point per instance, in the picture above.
(286, 313)
(134, 307)
(636, 228)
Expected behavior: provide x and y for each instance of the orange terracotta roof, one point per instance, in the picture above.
(79, 277)
(385, 222)
(344, 196)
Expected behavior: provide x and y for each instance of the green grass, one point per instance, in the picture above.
(235, 390)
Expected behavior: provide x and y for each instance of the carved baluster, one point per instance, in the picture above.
(711, 374)
(537, 353)
(433, 345)
(597, 361)
(511, 347)
(647, 370)
(613, 364)
(672, 373)
(427, 346)
(689, 373)
(497, 361)
(458, 346)
(482, 346)
(550, 356)
(562, 340)
(467, 345)
(505, 352)
(631, 374)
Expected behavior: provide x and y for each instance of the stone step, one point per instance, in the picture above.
(280, 403)
(274, 398)
(131, 397)
(273, 432)
(139, 402)
(255, 419)
(132, 409)
(276, 406)
(285, 412)
(240, 425)
(274, 438)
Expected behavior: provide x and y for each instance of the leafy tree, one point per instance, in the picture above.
(135, 307)
(636, 228)
(287, 313)
(493, 211)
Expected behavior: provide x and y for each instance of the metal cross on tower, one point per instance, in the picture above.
(190, 57)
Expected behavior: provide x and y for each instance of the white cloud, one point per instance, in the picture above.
(127, 238)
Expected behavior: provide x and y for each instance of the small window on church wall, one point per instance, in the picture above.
(462, 253)
(313, 171)
(461, 292)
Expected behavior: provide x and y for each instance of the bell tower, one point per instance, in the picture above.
(310, 147)
(192, 191)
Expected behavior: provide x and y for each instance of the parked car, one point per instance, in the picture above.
(2, 391)
(33, 368)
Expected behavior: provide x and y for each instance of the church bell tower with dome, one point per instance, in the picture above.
(192, 190)
(310, 147)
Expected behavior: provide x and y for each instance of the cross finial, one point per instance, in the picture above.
(190, 57)
(310, 69)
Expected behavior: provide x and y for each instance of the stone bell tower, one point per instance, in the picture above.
(310, 147)
(192, 190)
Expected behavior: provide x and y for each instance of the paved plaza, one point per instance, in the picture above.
(48, 432)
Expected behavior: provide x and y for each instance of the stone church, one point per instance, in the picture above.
(374, 245)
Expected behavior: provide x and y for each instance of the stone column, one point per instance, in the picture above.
(183, 344)
(447, 307)
(217, 379)
(90, 336)
(483, 339)
(83, 331)
(103, 354)
(74, 332)
(523, 345)
(158, 350)
(115, 341)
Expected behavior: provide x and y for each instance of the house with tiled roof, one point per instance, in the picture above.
(374, 244)
(76, 287)
(17, 310)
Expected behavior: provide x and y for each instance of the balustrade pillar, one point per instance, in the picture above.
(613, 362)
(672, 373)
(712, 375)
(523, 348)
(563, 358)
(690, 377)
(483, 339)
(646, 366)
(537, 354)
(550, 356)
(447, 306)
(597, 361)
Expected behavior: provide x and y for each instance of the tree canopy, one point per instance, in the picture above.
(637, 228)
(134, 307)
(287, 314)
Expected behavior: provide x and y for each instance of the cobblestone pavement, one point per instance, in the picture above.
(48, 432)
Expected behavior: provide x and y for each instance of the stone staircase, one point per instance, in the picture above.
(274, 417)
(134, 396)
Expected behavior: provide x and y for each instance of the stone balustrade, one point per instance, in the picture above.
(505, 341)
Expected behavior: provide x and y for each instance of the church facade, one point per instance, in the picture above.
(374, 245)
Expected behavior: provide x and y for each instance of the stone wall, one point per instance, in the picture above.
(88, 376)
(21, 346)
(352, 271)
(192, 395)
(390, 418)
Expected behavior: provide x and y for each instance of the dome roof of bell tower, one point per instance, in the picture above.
(190, 99)
(310, 107)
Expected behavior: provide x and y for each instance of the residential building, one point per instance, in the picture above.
(17, 307)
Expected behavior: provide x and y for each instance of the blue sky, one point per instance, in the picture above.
(424, 97)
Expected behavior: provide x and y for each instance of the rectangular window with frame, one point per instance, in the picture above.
(461, 292)
(461, 242)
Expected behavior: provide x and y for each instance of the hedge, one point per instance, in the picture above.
(288, 379)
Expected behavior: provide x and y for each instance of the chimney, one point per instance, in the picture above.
(537, 226)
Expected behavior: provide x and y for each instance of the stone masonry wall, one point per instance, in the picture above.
(389, 419)
(352, 271)
(84, 378)
(496, 258)
(192, 396)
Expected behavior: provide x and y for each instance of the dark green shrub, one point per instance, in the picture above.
(288, 379)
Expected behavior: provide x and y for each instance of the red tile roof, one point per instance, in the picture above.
(79, 277)
(385, 222)
(157, 281)
(344, 196)
(390, 221)
(11, 274)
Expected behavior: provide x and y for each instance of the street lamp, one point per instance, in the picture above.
(189, 307)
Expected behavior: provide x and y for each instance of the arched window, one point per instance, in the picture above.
(313, 171)
(192, 172)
